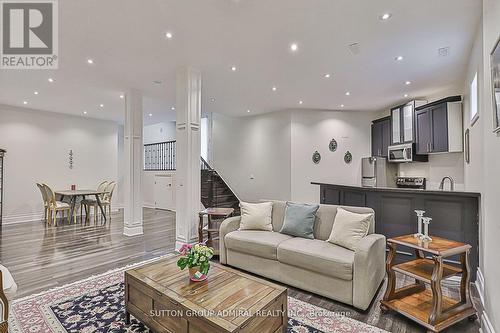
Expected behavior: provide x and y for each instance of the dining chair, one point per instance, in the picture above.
(56, 206)
(108, 196)
(45, 201)
(92, 203)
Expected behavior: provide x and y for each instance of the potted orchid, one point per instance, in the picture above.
(197, 259)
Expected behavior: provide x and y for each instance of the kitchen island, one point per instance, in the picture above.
(455, 214)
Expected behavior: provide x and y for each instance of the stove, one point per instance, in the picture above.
(411, 182)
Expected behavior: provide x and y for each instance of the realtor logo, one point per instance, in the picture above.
(29, 34)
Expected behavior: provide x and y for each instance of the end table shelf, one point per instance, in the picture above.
(428, 307)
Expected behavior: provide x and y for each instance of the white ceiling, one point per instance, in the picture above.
(126, 40)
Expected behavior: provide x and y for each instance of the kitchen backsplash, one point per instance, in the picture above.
(439, 166)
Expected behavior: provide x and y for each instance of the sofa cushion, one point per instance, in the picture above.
(299, 220)
(318, 256)
(349, 228)
(255, 242)
(256, 216)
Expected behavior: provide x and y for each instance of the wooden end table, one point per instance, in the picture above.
(162, 297)
(429, 308)
(212, 227)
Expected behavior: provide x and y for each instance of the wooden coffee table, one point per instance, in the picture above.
(162, 297)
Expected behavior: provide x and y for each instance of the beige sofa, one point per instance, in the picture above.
(309, 264)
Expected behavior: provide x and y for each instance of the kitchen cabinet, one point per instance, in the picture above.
(381, 136)
(402, 122)
(439, 126)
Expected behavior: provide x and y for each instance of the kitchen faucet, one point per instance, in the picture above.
(452, 183)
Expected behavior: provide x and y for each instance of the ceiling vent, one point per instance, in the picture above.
(354, 48)
(444, 51)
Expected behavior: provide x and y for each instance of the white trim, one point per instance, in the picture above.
(22, 218)
(480, 285)
(133, 230)
(486, 326)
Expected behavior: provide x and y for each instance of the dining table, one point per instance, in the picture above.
(74, 194)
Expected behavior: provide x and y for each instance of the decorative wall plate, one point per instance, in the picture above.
(348, 157)
(316, 157)
(333, 145)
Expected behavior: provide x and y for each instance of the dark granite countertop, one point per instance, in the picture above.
(403, 190)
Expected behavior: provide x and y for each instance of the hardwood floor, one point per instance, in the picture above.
(43, 257)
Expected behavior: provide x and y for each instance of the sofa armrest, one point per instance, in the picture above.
(227, 226)
(4, 304)
(368, 270)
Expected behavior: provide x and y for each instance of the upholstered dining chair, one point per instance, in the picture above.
(45, 201)
(56, 206)
(92, 203)
(8, 288)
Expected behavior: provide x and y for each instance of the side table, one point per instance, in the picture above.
(212, 227)
(429, 308)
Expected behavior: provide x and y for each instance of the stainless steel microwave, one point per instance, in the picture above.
(405, 153)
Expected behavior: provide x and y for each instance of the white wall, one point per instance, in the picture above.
(148, 186)
(257, 146)
(313, 130)
(491, 166)
(276, 149)
(38, 144)
(159, 132)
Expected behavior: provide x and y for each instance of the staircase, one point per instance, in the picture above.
(214, 190)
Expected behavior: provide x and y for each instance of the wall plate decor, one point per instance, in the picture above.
(348, 157)
(316, 157)
(333, 145)
(495, 81)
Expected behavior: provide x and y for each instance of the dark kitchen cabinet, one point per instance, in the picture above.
(381, 136)
(402, 122)
(439, 127)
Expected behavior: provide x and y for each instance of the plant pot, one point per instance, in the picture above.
(195, 274)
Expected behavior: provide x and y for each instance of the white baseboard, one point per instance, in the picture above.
(21, 218)
(486, 326)
(133, 230)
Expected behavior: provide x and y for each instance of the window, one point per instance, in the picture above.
(474, 107)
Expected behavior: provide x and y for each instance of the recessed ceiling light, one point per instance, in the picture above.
(399, 58)
(172, 108)
(157, 82)
(122, 96)
(405, 95)
(294, 47)
(341, 105)
(169, 35)
(35, 92)
(274, 88)
(25, 102)
(347, 93)
(150, 114)
(90, 61)
(385, 16)
(408, 83)
(248, 111)
(51, 80)
(84, 112)
(301, 102)
(212, 99)
(101, 105)
(327, 75)
(233, 68)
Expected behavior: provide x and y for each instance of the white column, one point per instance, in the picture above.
(133, 149)
(188, 108)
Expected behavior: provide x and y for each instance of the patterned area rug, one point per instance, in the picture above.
(96, 304)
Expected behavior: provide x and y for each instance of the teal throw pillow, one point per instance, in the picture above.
(299, 220)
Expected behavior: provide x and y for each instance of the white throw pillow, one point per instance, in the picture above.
(349, 228)
(256, 216)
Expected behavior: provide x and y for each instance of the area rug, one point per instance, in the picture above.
(96, 304)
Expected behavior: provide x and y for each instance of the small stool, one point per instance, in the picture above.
(212, 227)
